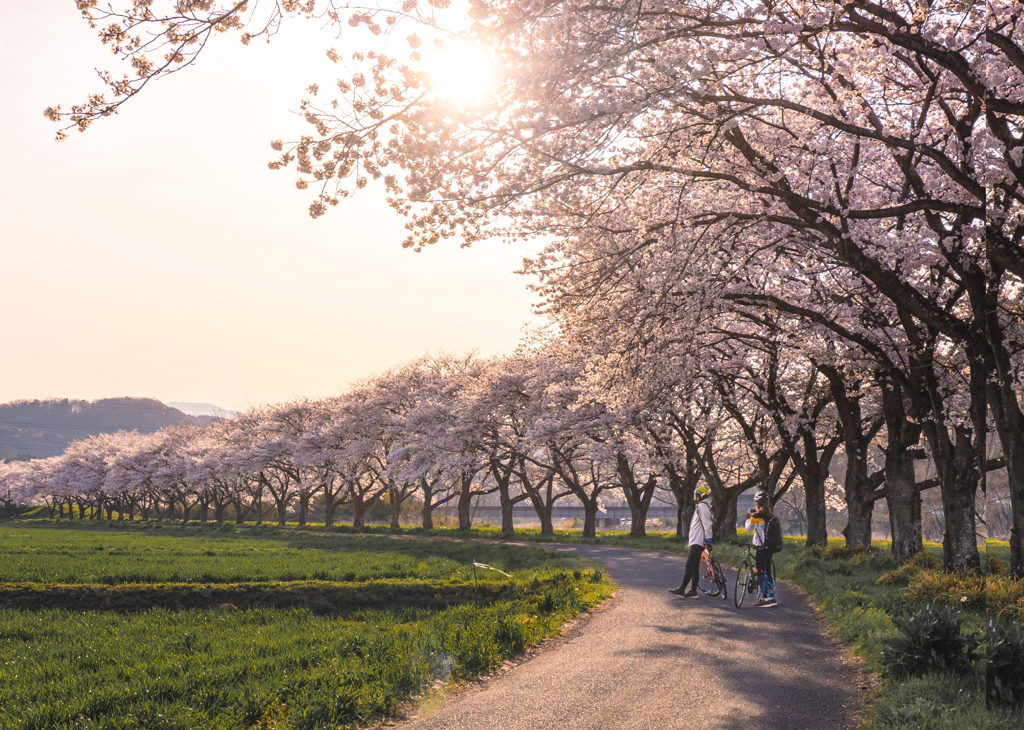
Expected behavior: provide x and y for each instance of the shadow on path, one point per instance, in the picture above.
(652, 660)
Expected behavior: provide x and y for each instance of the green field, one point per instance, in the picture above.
(130, 629)
(113, 558)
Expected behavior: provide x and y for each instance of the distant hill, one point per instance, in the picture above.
(44, 428)
(202, 409)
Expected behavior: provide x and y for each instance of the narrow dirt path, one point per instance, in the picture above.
(651, 660)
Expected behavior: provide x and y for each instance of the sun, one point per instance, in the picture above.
(460, 73)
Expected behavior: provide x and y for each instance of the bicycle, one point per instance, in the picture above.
(712, 577)
(746, 580)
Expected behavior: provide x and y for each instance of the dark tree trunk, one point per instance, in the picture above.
(590, 517)
(240, 512)
(637, 497)
(541, 496)
(330, 506)
(1013, 453)
(730, 516)
(427, 513)
(857, 486)
(508, 527)
(547, 525)
(359, 507)
(1010, 425)
(502, 474)
(304, 498)
(465, 502)
(396, 506)
(858, 519)
(1004, 398)
(682, 486)
(902, 495)
(812, 466)
(817, 512)
(955, 454)
(958, 481)
(857, 490)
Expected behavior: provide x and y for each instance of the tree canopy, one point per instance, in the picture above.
(784, 213)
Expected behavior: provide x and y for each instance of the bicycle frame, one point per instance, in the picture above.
(709, 568)
(745, 573)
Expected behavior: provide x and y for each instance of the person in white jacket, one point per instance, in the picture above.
(701, 534)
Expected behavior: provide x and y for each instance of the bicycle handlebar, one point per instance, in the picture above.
(743, 544)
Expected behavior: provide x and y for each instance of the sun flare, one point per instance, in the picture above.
(461, 73)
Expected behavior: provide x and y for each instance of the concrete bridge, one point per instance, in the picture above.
(567, 510)
(610, 517)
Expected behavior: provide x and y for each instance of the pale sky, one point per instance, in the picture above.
(156, 255)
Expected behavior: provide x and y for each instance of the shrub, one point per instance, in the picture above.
(930, 641)
(1004, 597)
(903, 574)
(511, 634)
(872, 558)
(835, 552)
(961, 589)
(1004, 659)
(996, 566)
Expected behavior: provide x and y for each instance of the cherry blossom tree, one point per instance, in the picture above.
(881, 139)
(15, 488)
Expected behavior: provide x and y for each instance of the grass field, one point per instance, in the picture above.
(846, 588)
(187, 556)
(142, 629)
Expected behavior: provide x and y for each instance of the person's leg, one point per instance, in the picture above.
(771, 578)
(762, 560)
(692, 566)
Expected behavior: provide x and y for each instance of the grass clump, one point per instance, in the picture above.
(1004, 660)
(939, 701)
(965, 589)
(903, 574)
(930, 640)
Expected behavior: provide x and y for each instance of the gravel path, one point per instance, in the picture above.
(650, 660)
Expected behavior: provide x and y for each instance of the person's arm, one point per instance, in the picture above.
(705, 523)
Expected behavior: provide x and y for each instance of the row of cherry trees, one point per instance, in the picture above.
(530, 427)
(438, 430)
(753, 214)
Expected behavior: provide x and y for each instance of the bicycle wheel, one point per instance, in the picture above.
(723, 589)
(743, 578)
(707, 582)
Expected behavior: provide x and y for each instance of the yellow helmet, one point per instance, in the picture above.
(700, 493)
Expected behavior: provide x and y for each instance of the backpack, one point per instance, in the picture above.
(773, 536)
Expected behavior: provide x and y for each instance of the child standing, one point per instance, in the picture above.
(759, 521)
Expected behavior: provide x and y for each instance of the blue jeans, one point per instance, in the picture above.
(765, 576)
